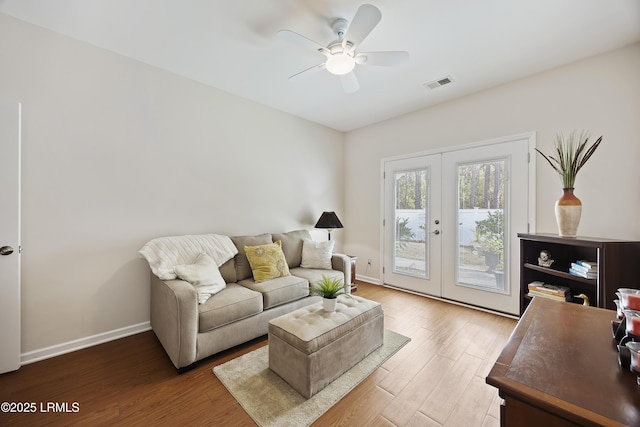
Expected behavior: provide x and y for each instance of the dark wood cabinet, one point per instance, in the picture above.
(618, 266)
(560, 368)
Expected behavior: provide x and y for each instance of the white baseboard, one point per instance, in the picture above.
(450, 301)
(367, 279)
(68, 347)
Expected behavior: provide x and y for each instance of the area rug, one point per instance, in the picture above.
(271, 402)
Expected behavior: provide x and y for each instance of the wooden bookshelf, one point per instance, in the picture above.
(618, 266)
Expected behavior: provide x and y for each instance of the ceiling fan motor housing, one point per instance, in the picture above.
(339, 27)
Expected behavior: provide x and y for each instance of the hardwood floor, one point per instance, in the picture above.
(438, 379)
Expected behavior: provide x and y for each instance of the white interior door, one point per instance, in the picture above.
(412, 224)
(9, 236)
(487, 204)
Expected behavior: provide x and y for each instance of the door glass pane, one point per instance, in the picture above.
(411, 247)
(481, 223)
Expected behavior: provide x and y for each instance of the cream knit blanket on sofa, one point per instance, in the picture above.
(164, 253)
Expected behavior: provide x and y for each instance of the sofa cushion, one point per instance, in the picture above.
(233, 303)
(279, 291)
(228, 271)
(267, 261)
(292, 245)
(243, 269)
(204, 275)
(313, 275)
(317, 254)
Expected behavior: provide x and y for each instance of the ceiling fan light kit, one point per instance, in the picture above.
(341, 56)
(340, 63)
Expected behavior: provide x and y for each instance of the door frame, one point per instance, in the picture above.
(531, 196)
(10, 304)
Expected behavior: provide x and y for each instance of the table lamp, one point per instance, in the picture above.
(330, 221)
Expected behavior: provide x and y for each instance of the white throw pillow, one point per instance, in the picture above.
(317, 254)
(203, 275)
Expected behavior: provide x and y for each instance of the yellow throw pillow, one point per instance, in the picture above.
(267, 261)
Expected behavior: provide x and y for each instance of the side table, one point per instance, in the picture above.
(354, 286)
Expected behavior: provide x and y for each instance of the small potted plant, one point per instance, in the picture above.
(498, 272)
(329, 289)
(490, 238)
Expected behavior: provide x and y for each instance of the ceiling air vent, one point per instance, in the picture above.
(440, 82)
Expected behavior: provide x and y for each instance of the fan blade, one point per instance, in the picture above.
(308, 71)
(384, 59)
(349, 82)
(293, 37)
(364, 21)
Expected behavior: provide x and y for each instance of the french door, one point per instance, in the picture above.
(412, 221)
(451, 221)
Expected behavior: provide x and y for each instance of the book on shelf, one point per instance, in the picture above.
(590, 275)
(583, 269)
(545, 288)
(588, 264)
(548, 296)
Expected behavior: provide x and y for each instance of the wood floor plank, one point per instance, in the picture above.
(363, 412)
(421, 420)
(494, 409)
(408, 352)
(414, 363)
(477, 395)
(131, 381)
(443, 399)
(413, 396)
(455, 348)
(495, 349)
(490, 421)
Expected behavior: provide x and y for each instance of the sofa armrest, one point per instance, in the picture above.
(342, 263)
(174, 318)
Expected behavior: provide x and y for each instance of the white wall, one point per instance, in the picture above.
(601, 93)
(116, 152)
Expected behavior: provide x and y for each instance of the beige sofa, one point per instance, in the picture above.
(190, 331)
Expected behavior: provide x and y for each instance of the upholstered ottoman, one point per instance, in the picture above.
(309, 348)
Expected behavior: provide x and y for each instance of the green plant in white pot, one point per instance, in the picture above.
(329, 289)
(569, 157)
(490, 238)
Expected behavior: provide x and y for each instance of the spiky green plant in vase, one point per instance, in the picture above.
(329, 289)
(569, 156)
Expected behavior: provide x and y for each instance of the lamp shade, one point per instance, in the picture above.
(329, 220)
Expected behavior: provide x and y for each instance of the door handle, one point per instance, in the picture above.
(436, 232)
(6, 250)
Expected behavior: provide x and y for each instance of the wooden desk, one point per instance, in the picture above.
(560, 368)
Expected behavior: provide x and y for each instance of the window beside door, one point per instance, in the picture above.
(411, 216)
(481, 224)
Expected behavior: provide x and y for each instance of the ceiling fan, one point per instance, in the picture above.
(341, 56)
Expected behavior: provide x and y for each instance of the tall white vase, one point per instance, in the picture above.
(568, 213)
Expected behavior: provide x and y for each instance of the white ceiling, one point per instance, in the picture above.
(232, 45)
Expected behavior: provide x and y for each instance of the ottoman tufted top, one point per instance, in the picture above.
(310, 328)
